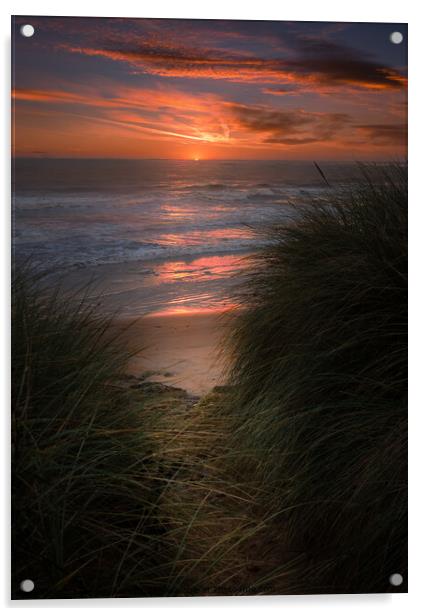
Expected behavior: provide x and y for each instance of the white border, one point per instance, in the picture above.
(308, 10)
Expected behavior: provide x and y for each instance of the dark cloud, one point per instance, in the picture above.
(295, 127)
(334, 63)
(284, 91)
(384, 134)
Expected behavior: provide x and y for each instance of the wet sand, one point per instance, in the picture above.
(178, 349)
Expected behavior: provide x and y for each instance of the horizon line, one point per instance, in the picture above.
(202, 160)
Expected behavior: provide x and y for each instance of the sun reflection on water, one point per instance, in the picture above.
(204, 268)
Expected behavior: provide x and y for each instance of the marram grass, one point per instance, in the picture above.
(318, 369)
(85, 495)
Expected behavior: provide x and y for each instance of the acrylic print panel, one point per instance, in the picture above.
(209, 307)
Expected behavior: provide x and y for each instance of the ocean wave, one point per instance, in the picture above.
(80, 255)
(168, 218)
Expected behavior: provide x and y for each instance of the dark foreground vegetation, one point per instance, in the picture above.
(84, 491)
(291, 479)
(319, 377)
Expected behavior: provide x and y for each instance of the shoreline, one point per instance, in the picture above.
(139, 289)
(180, 350)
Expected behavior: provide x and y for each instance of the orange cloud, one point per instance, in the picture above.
(123, 97)
(112, 119)
(317, 63)
(157, 121)
(164, 113)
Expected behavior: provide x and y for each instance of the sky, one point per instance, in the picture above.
(208, 89)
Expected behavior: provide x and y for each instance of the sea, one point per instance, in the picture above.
(156, 236)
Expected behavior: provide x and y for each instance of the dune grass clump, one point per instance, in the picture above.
(84, 482)
(319, 370)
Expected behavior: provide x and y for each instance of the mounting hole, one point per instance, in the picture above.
(27, 585)
(27, 30)
(396, 579)
(396, 38)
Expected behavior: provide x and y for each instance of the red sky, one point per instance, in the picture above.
(87, 87)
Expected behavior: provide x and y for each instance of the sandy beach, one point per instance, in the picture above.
(177, 349)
